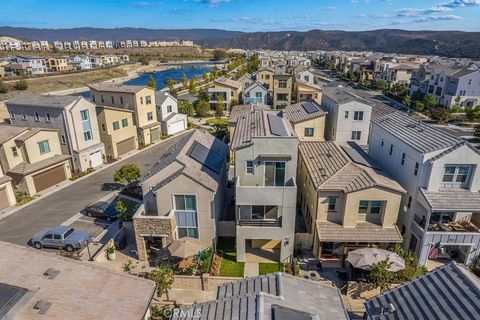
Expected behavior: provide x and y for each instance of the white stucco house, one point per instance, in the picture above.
(255, 93)
(167, 113)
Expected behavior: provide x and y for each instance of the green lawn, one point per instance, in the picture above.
(220, 121)
(230, 267)
(266, 268)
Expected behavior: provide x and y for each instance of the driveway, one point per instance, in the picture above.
(58, 207)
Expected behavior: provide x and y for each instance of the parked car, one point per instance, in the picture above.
(102, 209)
(112, 186)
(59, 237)
(134, 190)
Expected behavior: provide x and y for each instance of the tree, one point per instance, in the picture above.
(219, 55)
(170, 84)
(202, 108)
(412, 269)
(419, 106)
(440, 115)
(205, 76)
(381, 84)
(214, 73)
(407, 100)
(121, 212)
(381, 277)
(202, 94)
(186, 107)
(127, 173)
(192, 86)
(144, 61)
(21, 85)
(219, 107)
(184, 80)
(472, 114)
(429, 101)
(3, 87)
(417, 95)
(151, 83)
(163, 277)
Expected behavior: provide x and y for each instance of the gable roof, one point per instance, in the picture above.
(161, 96)
(42, 100)
(108, 87)
(301, 111)
(448, 292)
(8, 132)
(228, 82)
(340, 95)
(346, 168)
(253, 85)
(243, 109)
(308, 84)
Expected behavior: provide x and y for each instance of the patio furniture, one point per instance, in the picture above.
(365, 258)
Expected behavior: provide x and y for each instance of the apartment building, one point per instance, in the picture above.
(265, 152)
(346, 200)
(139, 99)
(32, 157)
(67, 45)
(184, 194)
(348, 116)
(440, 215)
(167, 113)
(226, 89)
(73, 117)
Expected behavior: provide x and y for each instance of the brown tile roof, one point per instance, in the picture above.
(108, 87)
(26, 168)
(297, 113)
(362, 232)
(8, 132)
(80, 290)
(243, 109)
(31, 132)
(228, 82)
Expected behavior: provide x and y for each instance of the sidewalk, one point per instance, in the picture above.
(251, 269)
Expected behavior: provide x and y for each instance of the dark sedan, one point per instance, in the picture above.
(104, 210)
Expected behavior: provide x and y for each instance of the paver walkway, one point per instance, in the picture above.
(251, 269)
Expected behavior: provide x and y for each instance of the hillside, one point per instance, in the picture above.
(444, 43)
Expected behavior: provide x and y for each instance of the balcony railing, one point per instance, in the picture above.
(260, 223)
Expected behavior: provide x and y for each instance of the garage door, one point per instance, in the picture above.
(176, 127)
(49, 178)
(96, 158)
(4, 199)
(155, 134)
(126, 146)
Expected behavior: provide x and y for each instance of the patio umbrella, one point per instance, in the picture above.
(366, 257)
(184, 248)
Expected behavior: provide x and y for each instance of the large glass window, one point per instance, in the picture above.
(275, 174)
(264, 212)
(282, 84)
(456, 174)
(370, 207)
(356, 135)
(186, 216)
(358, 115)
(86, 127)
(116, 125)
(309, 132)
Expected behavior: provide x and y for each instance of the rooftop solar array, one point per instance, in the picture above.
(206, 157)
(310, 107)
(277, 127)
(9, 296)
(359, 156)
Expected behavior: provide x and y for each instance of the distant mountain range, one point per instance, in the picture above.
(444, 43)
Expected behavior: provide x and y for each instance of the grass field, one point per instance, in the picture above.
(266, 268)
(230, 267)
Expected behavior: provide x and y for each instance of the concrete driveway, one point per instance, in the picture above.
(54, 209)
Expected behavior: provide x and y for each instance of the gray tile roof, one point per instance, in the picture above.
(161, 96)
(42, 100)
(448, 292)
(297, 113)
(423, 137)
(339, 95)
(271, 297)
(452, 199)
(8, 132)
(108, 87)
(363, 232)
(243, 109)
(228, 82)
(345, 168)
(25, 168)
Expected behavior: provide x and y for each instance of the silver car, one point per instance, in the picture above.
(61, 237)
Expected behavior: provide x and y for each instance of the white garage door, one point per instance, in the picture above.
(176, 127)
(96, 158)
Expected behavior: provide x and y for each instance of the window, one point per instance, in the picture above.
(275, 174)
(103, 100)
(149, 116)
(249, 166)
(113, 99)
(332, 204)
(141, 100)
(121, 100)
(415, 171)
(267, 77)
(14, 152)
(403, 159)
(309, 132)
(456, 174)
(169, 108)
(306, 78)
(409, 202)
(103, 127)
(186, 216)
(383, 143)
(37, 117)
(346, 115)
(86, 127)
(93, 98)
(264, 212)
(391, 150)
(282, 84)
(44, 147)
(148, 99)
(47, 117)
(282, 96)
(258, 95)
(358, 115)
(62, 139)
(356, 135)
(124, 123)
(370, 207)
(24, 116)
(116, 125)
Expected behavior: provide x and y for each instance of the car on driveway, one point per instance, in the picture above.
(61, 237)
(102, 209)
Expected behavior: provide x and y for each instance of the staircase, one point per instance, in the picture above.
(216, 265)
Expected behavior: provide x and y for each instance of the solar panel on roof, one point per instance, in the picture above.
(206, 157)
(359, 156)
(310, 107)
(277, 127)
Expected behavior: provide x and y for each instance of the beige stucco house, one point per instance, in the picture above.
(184, 194)
(346, 201)
(117, 130)
(32, 158)
(282, 89)
(265, 75)
(307, 119)
(139, 99)
(7, 196)
(229, 90)
(307, 91)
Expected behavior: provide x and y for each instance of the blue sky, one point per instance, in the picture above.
(245, 15)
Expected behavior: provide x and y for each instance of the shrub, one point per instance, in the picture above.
(3, 87)
(21, 85)
(202, 108)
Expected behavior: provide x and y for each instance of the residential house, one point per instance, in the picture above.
(84, 45)
(239, 111)
(3, 64)
(108, 44)
(348, 116)
(135, 43)
(32, 157)
(226, 89)
(167, 113)
(305, 75)
(67, 45)
(265, 75)
(95, 61)
(18, 69)
(307, 91)
(399, 74)
(7, 196)
(453, 282)
(346, 200)
(441, 213)
(255, 93)
(36, 284)
(76, 45)
(184, 194)
(58, 64)
(73, 117)
(44, 45)
(307, 119)
(282, 86)
(101, 44)
(36, 46)
(139, 99)
(37, 65)
(9, 43)
(271, 296)
(265, 156)
(82, 62)
(247, 79)
(93, 44)
(57, 45)
(26, 46)
(117, 130)
(109, 59)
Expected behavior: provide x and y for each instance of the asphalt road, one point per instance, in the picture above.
(58, 207)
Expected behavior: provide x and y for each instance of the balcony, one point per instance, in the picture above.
(446, 226)
(260, 223)
(263, 195)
